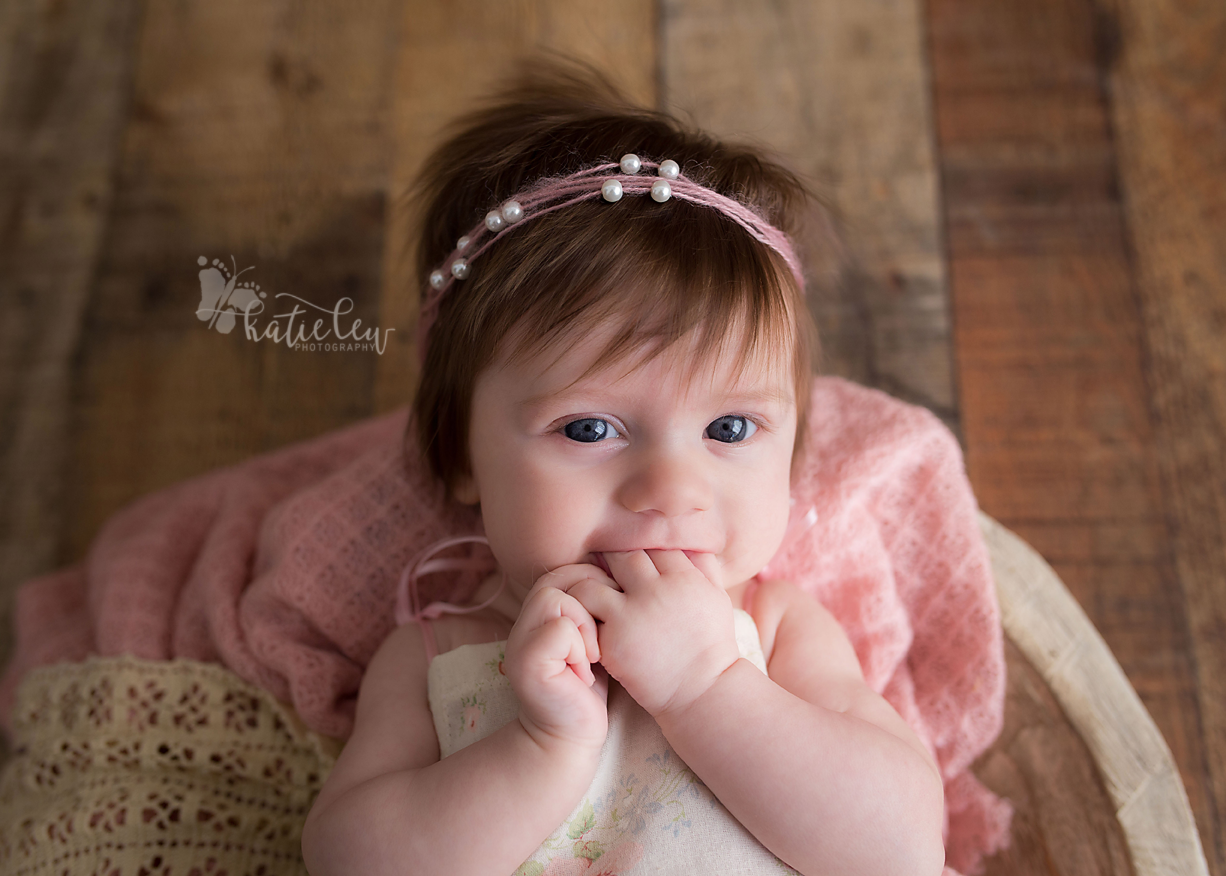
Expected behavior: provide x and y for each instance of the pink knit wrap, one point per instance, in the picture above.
(284, 568)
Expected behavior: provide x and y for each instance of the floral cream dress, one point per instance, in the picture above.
(645, 811)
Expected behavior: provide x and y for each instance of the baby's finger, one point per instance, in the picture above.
(683, 562)
(560, 640)
(550, 603)
(577, 659)
(631, 569)
(670, 562)
(601, 681)
(543, 655)
(709, 566)
(563, 577)
(585, 624)
(600, 600)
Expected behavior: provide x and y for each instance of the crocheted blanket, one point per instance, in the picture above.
(284, 569)
(125, 767)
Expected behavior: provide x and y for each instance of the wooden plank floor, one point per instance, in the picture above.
(1029, 204)
(1074, 383)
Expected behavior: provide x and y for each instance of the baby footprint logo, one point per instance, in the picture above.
(221, 297)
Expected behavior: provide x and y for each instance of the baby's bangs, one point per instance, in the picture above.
(661, 272)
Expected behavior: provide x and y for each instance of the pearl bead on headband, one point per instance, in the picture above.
(616, 181)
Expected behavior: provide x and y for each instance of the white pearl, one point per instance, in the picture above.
(661, 191)
(462, 243)
(512, 212)
(459, 269)
(611, 191)
(630, 163)
(437, 279)
(668, 169)
(493, 221)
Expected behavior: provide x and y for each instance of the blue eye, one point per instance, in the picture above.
(590, 430)
(731, 429)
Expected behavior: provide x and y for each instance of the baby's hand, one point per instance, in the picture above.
(667, 634)
(549, 658)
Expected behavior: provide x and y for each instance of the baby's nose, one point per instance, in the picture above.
(667, 484)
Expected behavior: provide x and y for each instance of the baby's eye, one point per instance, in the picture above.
(589, 430)
(731, 429)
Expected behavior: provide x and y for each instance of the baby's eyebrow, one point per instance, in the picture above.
(551, 402)
(774, 395)
(541, 399)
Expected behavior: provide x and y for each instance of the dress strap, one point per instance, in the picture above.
(408, 601)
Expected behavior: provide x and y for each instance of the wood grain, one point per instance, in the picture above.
(65, 76)
(1051, 362)
(1168, 79)
(1062, 817)
(1144, 795)
(840, 89)
(13, 25)
(436, 79)
(257, 134)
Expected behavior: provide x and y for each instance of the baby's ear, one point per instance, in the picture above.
(465, 490)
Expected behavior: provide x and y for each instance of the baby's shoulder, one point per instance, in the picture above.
(393, 728)
(807, 650)
(772, 601)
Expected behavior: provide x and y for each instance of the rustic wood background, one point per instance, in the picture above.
(1031, 196)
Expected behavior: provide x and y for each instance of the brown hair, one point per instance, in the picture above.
(664, 269)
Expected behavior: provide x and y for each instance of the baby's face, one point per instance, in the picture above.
(632, 457)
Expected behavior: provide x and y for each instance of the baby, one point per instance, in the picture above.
(617, 367)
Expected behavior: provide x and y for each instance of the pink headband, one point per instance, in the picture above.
(555, 193)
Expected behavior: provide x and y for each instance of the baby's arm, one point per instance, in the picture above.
(827, 775)
(392, 806)
(818, 767)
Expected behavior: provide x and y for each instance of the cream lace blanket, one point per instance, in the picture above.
(167, 768)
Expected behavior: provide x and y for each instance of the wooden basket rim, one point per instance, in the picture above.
(1043, 619)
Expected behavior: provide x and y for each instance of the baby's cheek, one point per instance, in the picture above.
(761, 544)
(534, 542)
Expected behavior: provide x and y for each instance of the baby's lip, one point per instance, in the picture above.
(597, 557)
